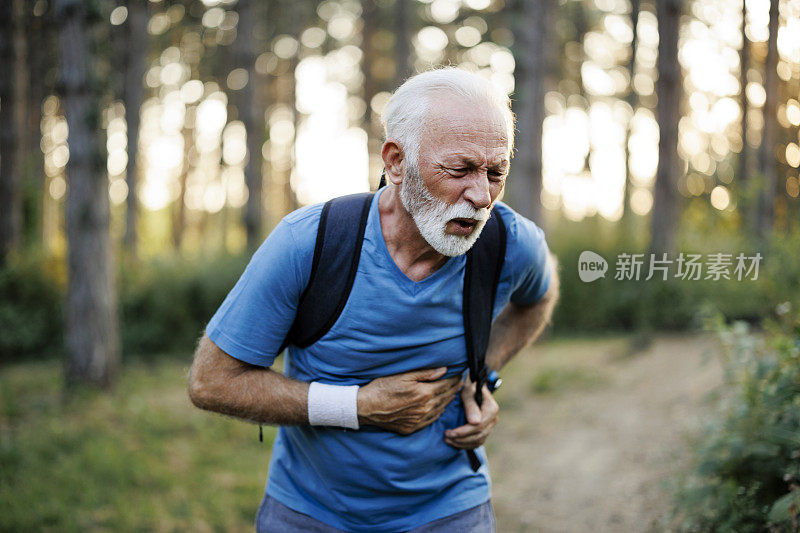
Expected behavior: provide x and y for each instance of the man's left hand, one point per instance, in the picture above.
(480, 420)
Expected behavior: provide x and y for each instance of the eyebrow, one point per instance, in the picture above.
(501, 164)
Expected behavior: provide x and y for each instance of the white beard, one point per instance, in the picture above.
(432, 215)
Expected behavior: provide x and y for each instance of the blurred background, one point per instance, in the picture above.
(148, 147)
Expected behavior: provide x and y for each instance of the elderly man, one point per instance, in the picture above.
(374, 414)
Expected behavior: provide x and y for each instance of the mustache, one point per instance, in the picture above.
(445, 211)
(465, 210)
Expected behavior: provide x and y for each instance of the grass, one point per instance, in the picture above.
(141, 458)
(556, 379)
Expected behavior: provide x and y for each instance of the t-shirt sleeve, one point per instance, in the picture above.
(253, 321)
(530, 254)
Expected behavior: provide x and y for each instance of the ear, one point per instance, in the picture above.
(394, 159)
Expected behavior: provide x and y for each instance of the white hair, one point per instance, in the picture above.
(405, 115)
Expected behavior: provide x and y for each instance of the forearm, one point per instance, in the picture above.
(402, 403)
(517, 326)
(220, 383)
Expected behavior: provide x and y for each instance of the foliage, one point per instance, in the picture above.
(166, 304)
(671, 304)
(621, 305)
(141, 459)
(30, 308)
(747, 473)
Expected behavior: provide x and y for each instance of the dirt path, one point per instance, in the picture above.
(594, 453)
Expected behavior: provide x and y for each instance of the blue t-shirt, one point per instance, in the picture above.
(370, 479)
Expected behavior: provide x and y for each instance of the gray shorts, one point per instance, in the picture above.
(274, 517)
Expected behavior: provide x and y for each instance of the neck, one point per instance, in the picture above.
(409, 250)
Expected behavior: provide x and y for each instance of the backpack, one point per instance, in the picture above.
(333, 270)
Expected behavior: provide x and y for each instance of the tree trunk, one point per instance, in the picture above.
(10, 199)
(179, 208)
(632, 101)
(92, 338)
(39, 32)
(371, 22)
(370, 17)
(668, 89)
(530, 38)
(21, 88)
(402, 46)
(252, 115)
(298, 18)
(579, 18)
(135, 66)
(767, 161)
(743, 178)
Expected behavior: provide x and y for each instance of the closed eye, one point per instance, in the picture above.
(496, 175)
(458, 170)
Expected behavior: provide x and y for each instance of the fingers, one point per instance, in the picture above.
(437, 408)
(472, 435)
(429, 418)
(471, 408)
(442, 386)
(446, 386)
(421, 396)
(426, 374)
(471, 442)
(443, 400)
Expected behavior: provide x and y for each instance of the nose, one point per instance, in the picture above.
(477, 192)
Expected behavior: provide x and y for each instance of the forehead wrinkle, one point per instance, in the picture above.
(475, 136)
(468, 142)
(479, 160)
(469, 130)
(462, 118)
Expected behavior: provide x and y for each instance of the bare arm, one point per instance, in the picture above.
(223, 384)
(402, 403)
(517, 326)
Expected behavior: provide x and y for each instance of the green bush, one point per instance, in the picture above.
(30, 309)
(622, 305)
(609, 304)
(165, 305)
(747, 473)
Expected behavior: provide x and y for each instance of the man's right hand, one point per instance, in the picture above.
(405, 403)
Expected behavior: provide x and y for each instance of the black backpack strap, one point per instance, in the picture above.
(333, 270)
(337, 251)
(481, 276)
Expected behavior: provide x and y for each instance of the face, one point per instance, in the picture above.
(460, 172)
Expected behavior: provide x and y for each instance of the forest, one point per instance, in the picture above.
(148, 147)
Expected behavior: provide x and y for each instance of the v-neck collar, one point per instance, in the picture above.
(413, 287)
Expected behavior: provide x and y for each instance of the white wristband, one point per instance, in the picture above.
(333, 405)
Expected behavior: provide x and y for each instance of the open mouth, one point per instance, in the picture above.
(465, 223)
(462, 226)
